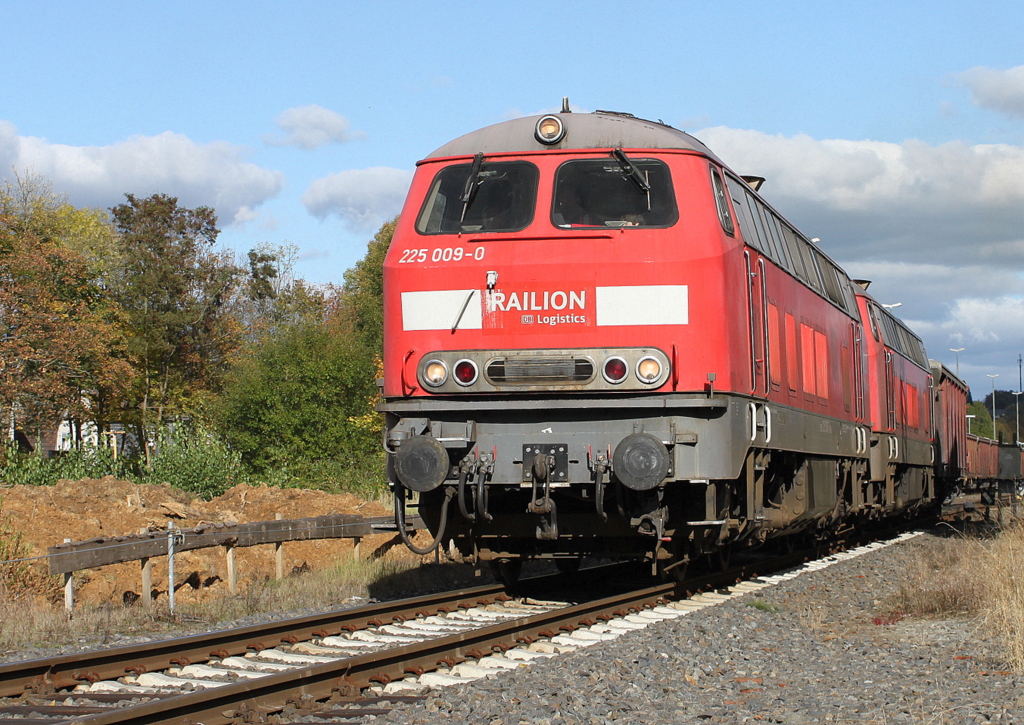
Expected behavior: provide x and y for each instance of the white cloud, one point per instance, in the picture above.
(872, 199)
(996, 90)
(910, 282)
(983, 325)
(364, 198)
(310, 127)
(213, 174)
(972, 305)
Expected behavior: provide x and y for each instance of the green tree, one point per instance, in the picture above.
(302, 395)
(288, 402)
(981, 424)
(364, 289)
(177, 293)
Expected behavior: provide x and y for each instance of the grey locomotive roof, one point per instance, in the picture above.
(582, 131)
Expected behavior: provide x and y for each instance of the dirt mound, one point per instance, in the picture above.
(79, 510)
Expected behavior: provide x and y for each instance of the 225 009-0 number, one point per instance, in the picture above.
(441, 254)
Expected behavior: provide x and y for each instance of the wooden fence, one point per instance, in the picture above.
(72, 556)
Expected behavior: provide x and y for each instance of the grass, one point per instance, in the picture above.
(944, 583)
(1004, 610)
(977, 577)
(34, 620)
(763, 606)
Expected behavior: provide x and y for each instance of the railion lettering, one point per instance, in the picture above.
(539, 301)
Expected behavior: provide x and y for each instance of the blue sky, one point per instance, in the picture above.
(892, 131)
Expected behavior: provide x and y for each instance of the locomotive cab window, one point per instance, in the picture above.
(613, 192)
(480, 197)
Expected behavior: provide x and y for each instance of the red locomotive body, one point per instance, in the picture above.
(900, 404)
(600, 340)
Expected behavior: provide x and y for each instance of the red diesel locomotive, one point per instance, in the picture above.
(600, 340)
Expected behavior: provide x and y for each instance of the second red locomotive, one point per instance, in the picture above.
(600, 340)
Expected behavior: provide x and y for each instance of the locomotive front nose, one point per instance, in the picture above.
(640, 461)
(421, 463)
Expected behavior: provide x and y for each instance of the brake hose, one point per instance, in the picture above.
(400, 518)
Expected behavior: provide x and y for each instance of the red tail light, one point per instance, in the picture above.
(465, 372)
(615, 370)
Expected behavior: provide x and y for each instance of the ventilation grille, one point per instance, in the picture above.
(540, 371)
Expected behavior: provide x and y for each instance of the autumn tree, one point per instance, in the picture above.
(61, 345)
(58, 340)
(177, 292)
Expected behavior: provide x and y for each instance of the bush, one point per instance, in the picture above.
(293, 408)
(193, 460)
(29, 469)
(186, 457)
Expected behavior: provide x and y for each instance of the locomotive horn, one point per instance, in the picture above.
(640, 461)
(421, 463)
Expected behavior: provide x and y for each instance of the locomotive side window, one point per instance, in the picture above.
(480, 197)
(805, 251)
(601, 193)
(775, 227)
(722, 203)
(793, 243)
(829, 276)
(766, 241)
(739, 202)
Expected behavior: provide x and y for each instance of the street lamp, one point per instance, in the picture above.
(893, 305)
(969, 417)
(994, 437)
(957, 350)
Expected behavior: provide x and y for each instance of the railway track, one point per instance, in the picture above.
(299, 664)
(348, 664)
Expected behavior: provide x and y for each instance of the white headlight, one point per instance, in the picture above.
(549, 130)
(648, 369)
(435, 373)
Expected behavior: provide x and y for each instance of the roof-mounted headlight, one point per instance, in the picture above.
(549, 130)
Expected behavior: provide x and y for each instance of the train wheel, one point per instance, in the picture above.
(718, 560)
(507, 571)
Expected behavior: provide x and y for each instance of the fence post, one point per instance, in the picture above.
(147, 577)
(170, 565)
(69, 590)
(229, 549)
(357, 547)
(279, 553)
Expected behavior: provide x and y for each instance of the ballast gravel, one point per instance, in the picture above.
(819, 648)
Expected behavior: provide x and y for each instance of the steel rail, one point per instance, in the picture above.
(64, 671)
(251, 700)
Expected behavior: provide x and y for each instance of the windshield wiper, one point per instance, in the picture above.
(631, 172)
(472, 184)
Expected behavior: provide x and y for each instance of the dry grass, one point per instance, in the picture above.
(947, 582)
(973, 577)
(1004, 602)
(37, 622)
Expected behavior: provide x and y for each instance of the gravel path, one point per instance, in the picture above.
(814, 649)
